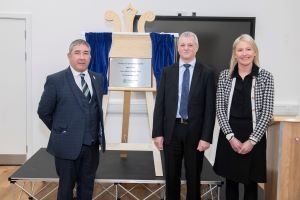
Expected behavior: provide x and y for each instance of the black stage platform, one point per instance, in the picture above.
(137, 168)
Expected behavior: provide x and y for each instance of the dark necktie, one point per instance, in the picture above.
(185, 89)
(85, 88)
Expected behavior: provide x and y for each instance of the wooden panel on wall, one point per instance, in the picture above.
(272, 161)
(283, 160)
(290, 175)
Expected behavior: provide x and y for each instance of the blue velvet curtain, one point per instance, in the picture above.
(163, 53)
(100, 46)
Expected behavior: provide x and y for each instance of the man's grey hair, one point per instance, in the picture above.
(78, 42)
(190, 34)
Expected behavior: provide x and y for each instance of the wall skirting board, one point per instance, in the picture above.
(12, 159)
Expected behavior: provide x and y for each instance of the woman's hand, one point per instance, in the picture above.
(236, 145)
(246, 147)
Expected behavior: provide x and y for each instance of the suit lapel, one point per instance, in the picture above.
(176, 77)
(195, 78)
(96, 85)
(173, 90)
(74, 88)
(97, 91)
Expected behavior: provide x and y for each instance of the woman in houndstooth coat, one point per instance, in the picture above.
(245, 100)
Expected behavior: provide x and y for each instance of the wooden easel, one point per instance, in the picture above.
(140, 47)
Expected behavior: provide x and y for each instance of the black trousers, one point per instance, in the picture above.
(182, 147)
(81, 172)
(232, 190)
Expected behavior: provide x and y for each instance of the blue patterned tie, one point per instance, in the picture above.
(85, 88)
(185, 89)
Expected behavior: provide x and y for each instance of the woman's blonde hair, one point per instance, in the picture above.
(250, 40)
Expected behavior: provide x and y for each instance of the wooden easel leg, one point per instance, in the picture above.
(105, 104)
(125, 125)
(156, 152)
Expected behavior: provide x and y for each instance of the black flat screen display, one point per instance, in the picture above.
(215, 35)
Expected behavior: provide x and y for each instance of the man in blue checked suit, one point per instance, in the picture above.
(71, 107)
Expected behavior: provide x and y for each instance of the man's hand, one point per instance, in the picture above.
(159, 141)
(203, 145)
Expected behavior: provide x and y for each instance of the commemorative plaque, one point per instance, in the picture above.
(130, 72)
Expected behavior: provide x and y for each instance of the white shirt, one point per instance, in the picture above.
(87, 79)
(181, 71)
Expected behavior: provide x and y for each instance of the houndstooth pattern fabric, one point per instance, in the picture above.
(263, 97)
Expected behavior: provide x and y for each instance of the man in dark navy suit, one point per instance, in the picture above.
(184, 117)
(71, 107)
